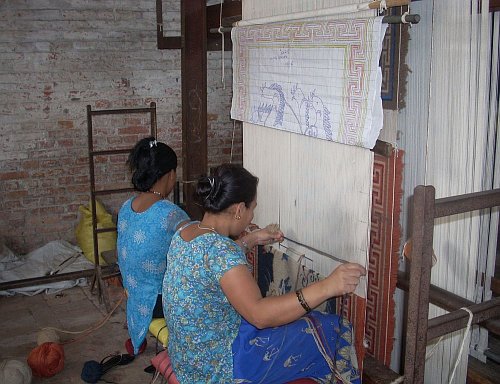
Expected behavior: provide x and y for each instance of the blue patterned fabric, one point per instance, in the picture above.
(201, 321)
(290, 352)
(142, 245)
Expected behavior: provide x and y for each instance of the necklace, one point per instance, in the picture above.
(212, 229)
(156, 193)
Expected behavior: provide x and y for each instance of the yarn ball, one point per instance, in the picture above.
(14, 372)
(91, 371)
(47, 336)
(46, 360)
(130, 348)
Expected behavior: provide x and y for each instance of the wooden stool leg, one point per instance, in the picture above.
(102, 290)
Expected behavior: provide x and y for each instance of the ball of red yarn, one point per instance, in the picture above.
(47, 359)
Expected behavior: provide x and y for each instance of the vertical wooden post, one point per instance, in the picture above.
(420, 279)
(194, 98)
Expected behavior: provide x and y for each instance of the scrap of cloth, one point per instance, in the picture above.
(143, 242)
(317, 346)
(319, 78)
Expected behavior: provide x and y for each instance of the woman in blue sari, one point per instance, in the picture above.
(221, 328)
(146, 224)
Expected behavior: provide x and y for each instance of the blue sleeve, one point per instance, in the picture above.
(224, 255)
(177, 216)
(172, 216)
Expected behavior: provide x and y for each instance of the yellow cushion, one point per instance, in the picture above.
(158, 329)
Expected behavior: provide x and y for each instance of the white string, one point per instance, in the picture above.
(429, 95)
(232, 142)
(382, 6)
(403, 18)
(398, 380)
(433, 349)
(222, 39)
(393, 203)
(399, 65)
(471, 315)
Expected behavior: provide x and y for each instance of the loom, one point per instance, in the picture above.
(319, 201)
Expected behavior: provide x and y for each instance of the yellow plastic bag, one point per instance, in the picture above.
(158, 329)
(106, 241)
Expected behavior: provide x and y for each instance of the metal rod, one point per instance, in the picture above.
(108, 271)
(119, 111)
(396, 19)
(492, 356)
(316, 250)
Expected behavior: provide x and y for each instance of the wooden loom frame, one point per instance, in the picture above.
(98, 272)
(419, 328)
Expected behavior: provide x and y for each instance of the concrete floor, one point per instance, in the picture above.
(74, 309)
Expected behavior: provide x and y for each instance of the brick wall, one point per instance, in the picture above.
(57, 57)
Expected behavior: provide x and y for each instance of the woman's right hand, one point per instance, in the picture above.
(344, 279)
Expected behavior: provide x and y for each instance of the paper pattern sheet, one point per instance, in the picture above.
(316, 78)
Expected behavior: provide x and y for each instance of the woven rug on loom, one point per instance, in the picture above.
(373, 318)
(385, 233)
(277, 273)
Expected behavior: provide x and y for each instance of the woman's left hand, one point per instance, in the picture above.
(268, 235)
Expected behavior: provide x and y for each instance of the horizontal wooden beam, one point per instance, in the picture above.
(449, 302)
(457, 319)
(374, 372)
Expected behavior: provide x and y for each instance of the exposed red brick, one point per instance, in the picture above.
(14, 175)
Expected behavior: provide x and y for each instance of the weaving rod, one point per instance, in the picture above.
(321, 12)
(317, 251)
(394, 19)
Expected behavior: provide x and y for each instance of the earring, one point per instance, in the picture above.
(237, 217)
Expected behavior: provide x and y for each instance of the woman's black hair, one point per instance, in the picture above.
(149, 161)
(230, 184)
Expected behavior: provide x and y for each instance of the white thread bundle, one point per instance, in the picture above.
(319, 191)
(445, 134)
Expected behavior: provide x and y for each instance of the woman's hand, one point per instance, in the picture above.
(344, 279)
(268, 235)
(256, 236)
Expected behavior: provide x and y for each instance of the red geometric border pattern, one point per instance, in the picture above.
(385, 236)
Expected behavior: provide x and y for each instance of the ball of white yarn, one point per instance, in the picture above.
(47, 336)
(14, 372)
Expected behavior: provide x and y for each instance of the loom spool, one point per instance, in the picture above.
(407, 249)
(14, 372)
(47, 336)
